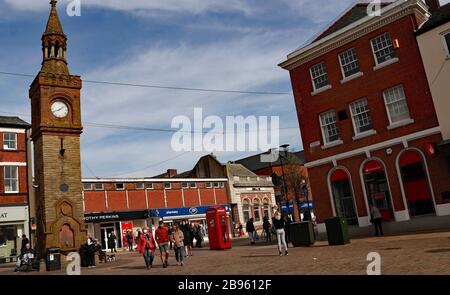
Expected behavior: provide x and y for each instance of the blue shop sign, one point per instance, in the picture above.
(302, 205)
(185, 211)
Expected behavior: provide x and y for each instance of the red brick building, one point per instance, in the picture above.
(115, 205)
(14, 220)
(368, 123)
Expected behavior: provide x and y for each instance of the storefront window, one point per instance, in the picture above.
(343, 197)
(257, 210)
(246, 210)
(8, 240)
(377, 188)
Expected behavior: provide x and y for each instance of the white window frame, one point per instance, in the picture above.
(257, 204)
(184, 185)
(249, 210)
(265, 203)
(343, 65)
(325, 141)
(120, 189)
(167, 185)
(5, 147)
(354, 116)
(140, 185)
(387, 106)
(208, 185)
(193, 185)
(98, 189)
(222, 184)
(86, 188)
(374, 53)
(16, 179)
(313, 78)
(149, 185)
(216, 185)
(446, 45)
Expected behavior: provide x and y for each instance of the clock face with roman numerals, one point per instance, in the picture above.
(60, 109)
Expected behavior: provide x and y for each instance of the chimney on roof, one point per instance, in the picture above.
(171, 173)
(433, 5)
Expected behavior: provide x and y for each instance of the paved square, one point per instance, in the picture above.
(407, 254)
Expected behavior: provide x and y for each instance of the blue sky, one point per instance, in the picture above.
(233, 44)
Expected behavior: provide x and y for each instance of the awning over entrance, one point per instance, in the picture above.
(373, 167)
(339, 175)
(410, 157)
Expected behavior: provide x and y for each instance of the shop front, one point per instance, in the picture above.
(195, 215)
(13, 224)
(102, 225)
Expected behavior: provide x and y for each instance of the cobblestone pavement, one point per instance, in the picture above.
(408, 254)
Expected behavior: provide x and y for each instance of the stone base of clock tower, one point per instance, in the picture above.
(59, 193)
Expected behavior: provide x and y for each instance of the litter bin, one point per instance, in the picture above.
(83, 256)
(302, 234)
(337, 231)
(53, 259)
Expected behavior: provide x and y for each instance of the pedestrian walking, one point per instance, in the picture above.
(170, 228)
(162, 238)
(287, 228)
(25, 241)
(251, 231)
(90, 252)
(188, 238)
(279, 224)
(147, 247)
(376, 220)
(178, 243)
(129, 238)
(112, 238)
(267, 226)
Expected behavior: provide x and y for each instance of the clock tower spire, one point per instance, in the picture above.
(56, 130)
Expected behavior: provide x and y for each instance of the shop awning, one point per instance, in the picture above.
(339, 175)
(373, 167)
(409, 158)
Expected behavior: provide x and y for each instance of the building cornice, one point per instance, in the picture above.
(360, 28)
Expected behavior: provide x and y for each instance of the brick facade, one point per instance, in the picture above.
(384, 145)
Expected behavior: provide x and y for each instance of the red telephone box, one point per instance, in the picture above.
(218, 230)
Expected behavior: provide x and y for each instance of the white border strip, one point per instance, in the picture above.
(13, 130)
(21, 164)
(94, 180)
(374, 147)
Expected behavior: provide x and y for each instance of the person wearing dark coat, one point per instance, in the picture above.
(250, 228)
(25, 241)
(112, 242)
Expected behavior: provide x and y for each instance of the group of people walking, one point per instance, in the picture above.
(178, 237)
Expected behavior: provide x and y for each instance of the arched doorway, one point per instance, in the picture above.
(415, 184)
(377, 188)
(343, 196)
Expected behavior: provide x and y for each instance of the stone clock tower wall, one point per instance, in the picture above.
(56, 130)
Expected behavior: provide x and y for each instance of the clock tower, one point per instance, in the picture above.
(56, 130)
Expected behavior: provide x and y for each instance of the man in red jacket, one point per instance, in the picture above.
(162, 238)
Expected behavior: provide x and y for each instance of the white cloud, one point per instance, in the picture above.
(191, 6)
(246, 64)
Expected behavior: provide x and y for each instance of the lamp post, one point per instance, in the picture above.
(285, 149)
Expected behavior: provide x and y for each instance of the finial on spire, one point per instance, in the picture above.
(53, 3)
